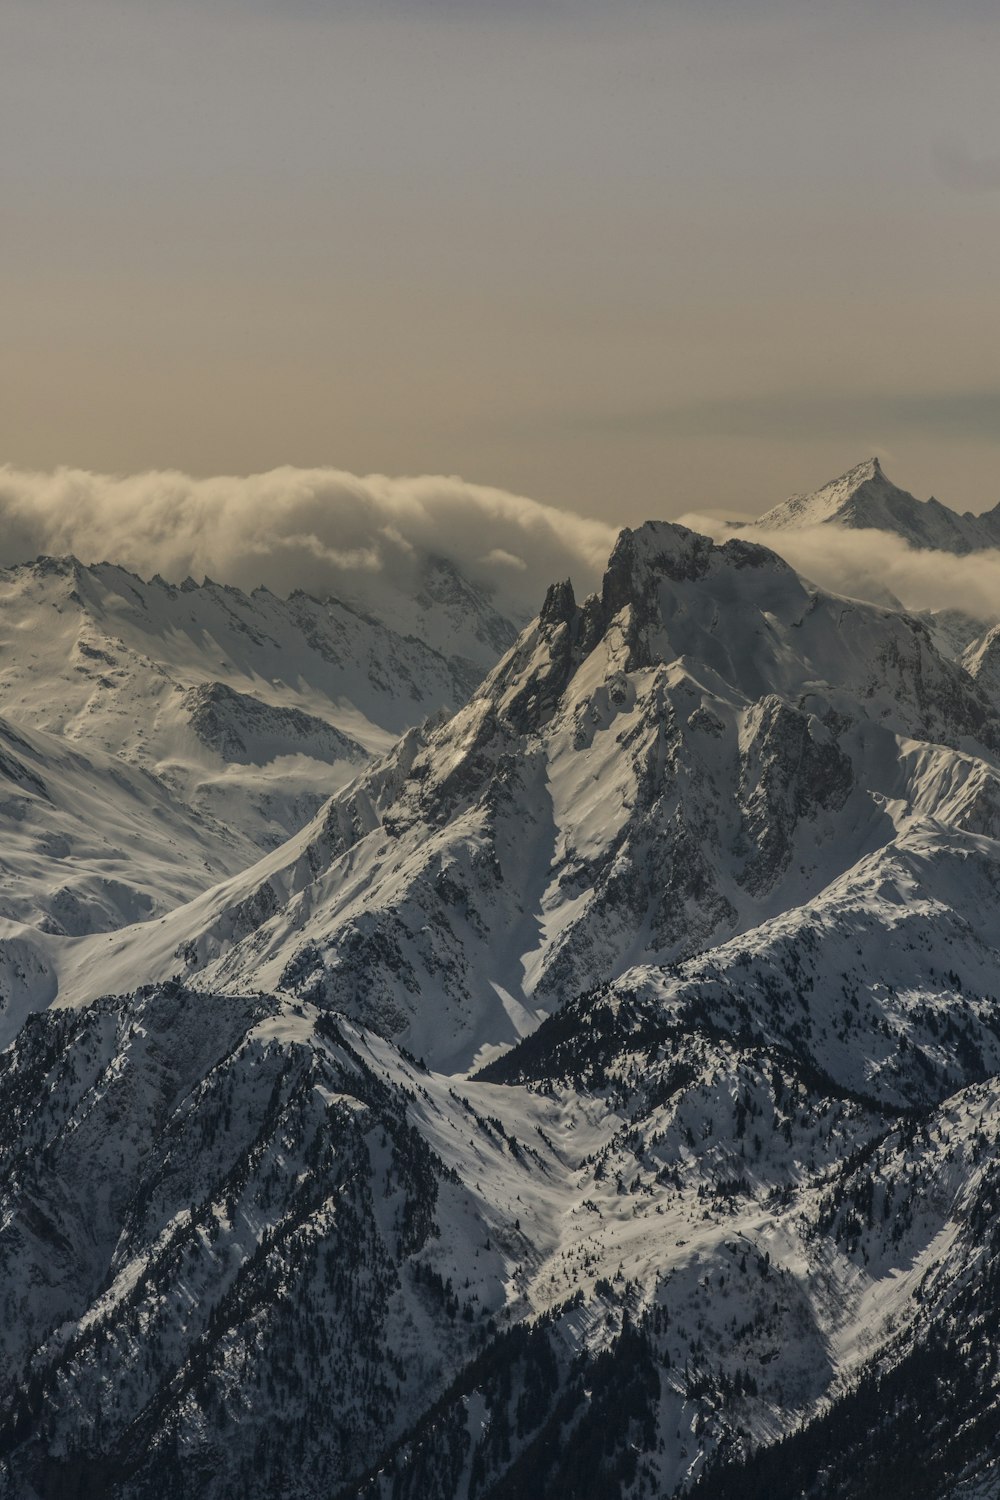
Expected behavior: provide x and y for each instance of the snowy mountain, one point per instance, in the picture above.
(201, 723)
(442, 608)
(981, 660)
(866, 498)
(707, 745)
(91, 844)
(689, 916)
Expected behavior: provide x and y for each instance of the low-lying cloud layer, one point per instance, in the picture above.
(317, 529)
(876, 565)
(332, 532)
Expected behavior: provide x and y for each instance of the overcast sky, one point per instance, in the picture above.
(632, 259)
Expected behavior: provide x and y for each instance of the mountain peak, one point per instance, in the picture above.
(46, 565)
(856, 498)
(656, 547)
(868, 470)
(865, 498)
(560, 604)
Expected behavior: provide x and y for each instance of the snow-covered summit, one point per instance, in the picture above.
(865, 498)
(718, 852)
(704, 745)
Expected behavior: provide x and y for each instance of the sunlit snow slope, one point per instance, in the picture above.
(597, 1098)
(866, 498)
(168, 734)
(708, 747)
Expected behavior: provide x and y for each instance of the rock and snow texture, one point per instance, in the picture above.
(866, 498)
(159, 737)
(981, 658)
(708, 746)
(246, 1244)
(601, 1088)
(445, 610)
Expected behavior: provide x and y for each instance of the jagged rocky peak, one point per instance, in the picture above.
(528, 682)
(641, 559)
(656, 547)
(559, 607)
(743, 614)
(663, 550)
(47, 566)
(649, 555)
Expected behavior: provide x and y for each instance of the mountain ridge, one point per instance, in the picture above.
(245, 711)
(864, 497)
(599, 1096)
(734, 718)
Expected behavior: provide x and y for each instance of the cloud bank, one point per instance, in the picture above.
(322, 530)
(876, 565)
(331, 532)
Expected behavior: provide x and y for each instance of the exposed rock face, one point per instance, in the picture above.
(603, 1085)
(982, 661)
(790, 767)
(244, 730)
(707, 742)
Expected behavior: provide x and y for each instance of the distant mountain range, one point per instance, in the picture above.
(597, 1093)
(203, 724)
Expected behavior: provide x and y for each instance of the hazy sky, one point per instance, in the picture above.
(634, 258)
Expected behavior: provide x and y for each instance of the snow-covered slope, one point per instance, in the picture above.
(981, 659)
(176, 731)
(707, 746)
(442, 608)
(246, 1247)
(91, 843)
(98, 655)
(718, 853)
(866, 498)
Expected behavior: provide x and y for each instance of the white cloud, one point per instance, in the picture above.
(869, 564)
(324, 530)
(505, 559)
(314, 529)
